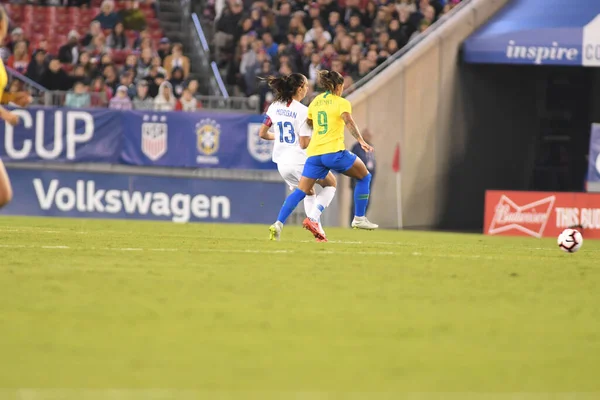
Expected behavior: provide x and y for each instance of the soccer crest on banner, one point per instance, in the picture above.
(258, 148)
(154, 136)
(208, 133)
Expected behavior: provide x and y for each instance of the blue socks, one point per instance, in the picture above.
(291, 203)
(361, 196)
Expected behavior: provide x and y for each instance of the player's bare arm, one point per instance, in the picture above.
(264, 133)
(8, 116)
(304, 141)
(355, 132)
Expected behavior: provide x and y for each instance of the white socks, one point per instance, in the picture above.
(323, 201)
(309, 205)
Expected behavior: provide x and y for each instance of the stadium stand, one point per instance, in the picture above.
(253, 39)
(84, 52)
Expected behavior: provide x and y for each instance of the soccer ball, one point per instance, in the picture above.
(570, 240)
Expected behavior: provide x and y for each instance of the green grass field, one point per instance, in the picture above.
(89, 304)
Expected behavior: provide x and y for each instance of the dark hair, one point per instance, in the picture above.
(329, 80)
(286, 86)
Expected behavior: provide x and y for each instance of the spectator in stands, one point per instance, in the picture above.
(282, 20)
(16, 36)
(111, 78)
(164, 101)
(121, 101)
(98, 46)
(227, 27)
(95, 30)
(144, 63)
(187, 102)
(69, 53)
(20, 59)
(117, 39)
(164, 48)
(78, 73)
(269, 45)
(79, 96)
(177, 81)
(159, 65)
(154, 80)
(192, 86)
(126, 79)
(103, 92)
(55, 78)
(107, 17)
(142, 101)
(143, 34)
(86, 62)
(131, 63)
(177, 59)
(37, 66)
(131, 15)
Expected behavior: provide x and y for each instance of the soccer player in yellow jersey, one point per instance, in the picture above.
(11, 118)
(328, 115)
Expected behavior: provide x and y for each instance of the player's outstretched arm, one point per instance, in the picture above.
(305, 134)
(8, 116)
(355, 132)
(264, 133)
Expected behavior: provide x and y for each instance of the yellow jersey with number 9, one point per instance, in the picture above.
(326, 111)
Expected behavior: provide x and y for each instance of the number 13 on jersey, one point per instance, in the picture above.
(286, 132)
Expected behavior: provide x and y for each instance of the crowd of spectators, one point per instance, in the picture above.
(257, 38)
(112, 61)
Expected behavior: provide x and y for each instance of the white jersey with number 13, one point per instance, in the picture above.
(288, 122)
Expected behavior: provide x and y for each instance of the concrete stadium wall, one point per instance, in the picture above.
(416, 102)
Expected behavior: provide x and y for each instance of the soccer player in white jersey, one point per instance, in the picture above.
(287, 116)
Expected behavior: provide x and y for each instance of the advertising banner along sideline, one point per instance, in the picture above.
(541, 214)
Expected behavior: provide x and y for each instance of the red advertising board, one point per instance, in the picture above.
(541, 214)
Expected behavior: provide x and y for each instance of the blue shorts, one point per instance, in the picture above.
(317, 167)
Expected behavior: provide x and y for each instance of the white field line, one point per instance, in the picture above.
(252, 251)
(196, 250)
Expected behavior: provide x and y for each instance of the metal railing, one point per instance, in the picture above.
(210, 69)
(410, 45)
(29, 85)
(58, 98)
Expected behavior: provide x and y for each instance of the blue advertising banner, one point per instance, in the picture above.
(62, 134)
(197, 140)
(539, 32)
(593, 174)
(102, 195)
(167, 139)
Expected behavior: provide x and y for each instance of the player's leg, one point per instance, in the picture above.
(305, 186)
(324, 198)
(350, 165)
(5, 187)
(291, 174)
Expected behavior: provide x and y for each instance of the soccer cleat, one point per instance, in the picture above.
(322, 239)
(313, 227)
(275, 231)
(363, 223)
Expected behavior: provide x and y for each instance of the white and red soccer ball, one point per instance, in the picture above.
(570, 240)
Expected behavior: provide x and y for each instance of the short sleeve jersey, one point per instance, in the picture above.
(288, 122)
(326, 111)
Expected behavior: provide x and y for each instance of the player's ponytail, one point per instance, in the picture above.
(285, 86)
(330, 80)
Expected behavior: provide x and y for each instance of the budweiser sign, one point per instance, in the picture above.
(529, 218)
(541, 214)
